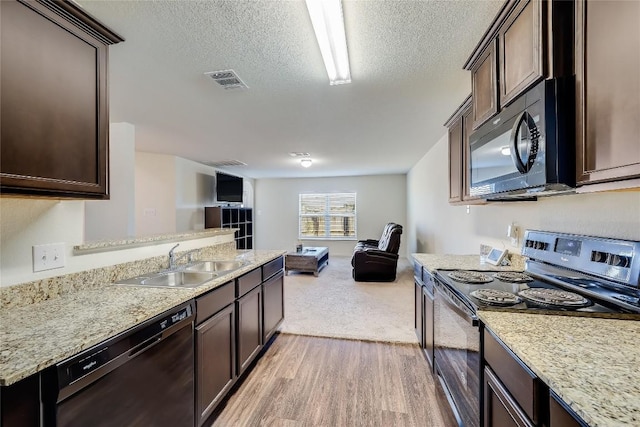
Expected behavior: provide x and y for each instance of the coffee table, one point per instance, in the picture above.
(310, 260)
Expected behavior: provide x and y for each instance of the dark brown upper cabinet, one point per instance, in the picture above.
(520, 53)
(607, 63)
(484, 85)
(460, 128)
(54, 102)
(528, 40)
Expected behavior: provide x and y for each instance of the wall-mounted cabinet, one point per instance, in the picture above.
(460, 128)
(528, 40)
(232, 217)
(54, 103)
(607, 95)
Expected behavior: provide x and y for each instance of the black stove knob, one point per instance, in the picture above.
(620, 261)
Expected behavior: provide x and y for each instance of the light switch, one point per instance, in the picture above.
(48, 257)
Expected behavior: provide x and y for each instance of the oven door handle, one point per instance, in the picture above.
(463, 311)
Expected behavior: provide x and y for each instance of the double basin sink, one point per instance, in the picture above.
(189, 276)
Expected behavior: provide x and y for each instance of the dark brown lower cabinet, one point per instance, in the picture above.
(427, 325)
(560, 415)
(500, 409)
(215, 361)
(418, 317)
(20, 403)
(249, 313)
(273, 298)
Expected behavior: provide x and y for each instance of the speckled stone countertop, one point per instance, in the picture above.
(133, 242)
(593, 364)
(464, 262)
(35, 336)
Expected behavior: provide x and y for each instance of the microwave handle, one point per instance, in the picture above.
(524, 166)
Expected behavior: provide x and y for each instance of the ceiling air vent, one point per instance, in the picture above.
(228, 79)
(223, 163)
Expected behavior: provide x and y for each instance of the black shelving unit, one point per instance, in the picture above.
(232, 217)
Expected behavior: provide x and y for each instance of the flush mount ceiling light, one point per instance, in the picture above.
(306, 162)
(328, 24)
(505, 151)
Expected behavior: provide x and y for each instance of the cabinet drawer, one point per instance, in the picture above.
(521, 382)
(248, 281)
(272, 267)
(214, 301)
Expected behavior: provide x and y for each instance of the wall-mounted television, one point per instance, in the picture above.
(228, 188)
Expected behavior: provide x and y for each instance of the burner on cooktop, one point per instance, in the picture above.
(554, 297)
(470, 276)
(513, 277)
(496, 297)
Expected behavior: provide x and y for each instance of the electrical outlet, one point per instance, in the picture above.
(513, 232)
(48, 257)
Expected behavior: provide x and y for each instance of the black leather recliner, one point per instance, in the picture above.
(377, 260)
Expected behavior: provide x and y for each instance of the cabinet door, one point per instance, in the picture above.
(20, 403)
(54, 108)
(607, 88)
(560, 416)
(273, 296)
(215, 361)
(427, 325)
(484, 86)
(455, 161)
(500, 410)
(418, 323)
(521, 50)
(249, 327)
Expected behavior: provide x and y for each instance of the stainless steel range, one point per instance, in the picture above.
(564, 274)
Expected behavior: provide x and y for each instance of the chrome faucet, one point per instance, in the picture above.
(173, 259)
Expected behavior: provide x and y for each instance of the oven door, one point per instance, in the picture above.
(457, 354)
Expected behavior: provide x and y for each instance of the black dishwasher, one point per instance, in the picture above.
(142, 377)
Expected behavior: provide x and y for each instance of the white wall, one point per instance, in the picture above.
(437, 227)
(155, 188)
(115, 218)
(380, 199)
(195, 189)
(28, 222)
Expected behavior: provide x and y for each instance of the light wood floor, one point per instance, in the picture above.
(308, 381)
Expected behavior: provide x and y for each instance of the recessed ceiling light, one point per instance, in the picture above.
(299, 154)
(306, 162)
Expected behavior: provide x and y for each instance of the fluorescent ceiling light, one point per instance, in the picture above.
(328, 24)
(305, 163)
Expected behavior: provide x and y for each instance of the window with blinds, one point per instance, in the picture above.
(328, 216)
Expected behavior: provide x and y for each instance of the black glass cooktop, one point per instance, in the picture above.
(509, 295)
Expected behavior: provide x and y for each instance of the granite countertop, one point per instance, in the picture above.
(593, 364)
(134, 242)
(36, 336)
(465, 262)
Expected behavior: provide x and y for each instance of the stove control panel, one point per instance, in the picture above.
(611, 259)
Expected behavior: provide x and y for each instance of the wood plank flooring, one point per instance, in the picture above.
(309, 381)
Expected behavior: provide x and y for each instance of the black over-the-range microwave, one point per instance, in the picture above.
(528, 149)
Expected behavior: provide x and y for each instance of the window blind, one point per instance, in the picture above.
(329, 216)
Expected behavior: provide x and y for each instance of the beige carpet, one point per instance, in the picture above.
(334, 305)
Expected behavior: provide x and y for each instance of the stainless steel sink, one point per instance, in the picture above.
(223, 266)
(172, 279)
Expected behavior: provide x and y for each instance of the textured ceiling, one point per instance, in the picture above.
(406, 65)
